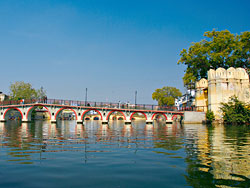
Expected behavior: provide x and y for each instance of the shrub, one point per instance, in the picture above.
(235, 111)
(209, 116)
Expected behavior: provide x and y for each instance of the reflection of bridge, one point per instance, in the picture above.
(80, 109)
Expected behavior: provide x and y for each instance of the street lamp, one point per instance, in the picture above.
(86, 96)
(135, 98)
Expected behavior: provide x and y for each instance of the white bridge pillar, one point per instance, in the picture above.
(1, 115)
(79, 115)
(127, 115)
(53, 110)
(149, 118)
(104, 114)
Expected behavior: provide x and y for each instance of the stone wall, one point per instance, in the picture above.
(221, 85)
(194, 117)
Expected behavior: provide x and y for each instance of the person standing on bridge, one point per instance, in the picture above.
(22, 101)
(44, 99)
(128, 105)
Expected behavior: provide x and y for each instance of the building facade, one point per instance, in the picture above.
(201, 97)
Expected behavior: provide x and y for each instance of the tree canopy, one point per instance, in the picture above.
(22, 90)
(166, 95)
(217, 49)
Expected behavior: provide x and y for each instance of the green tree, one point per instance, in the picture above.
(22, 90)
(188, 78)
(166, 95)
(218, 49)
(41, 93)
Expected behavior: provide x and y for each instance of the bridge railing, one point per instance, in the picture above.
(18, 102)
(96, 104)
(110, 105)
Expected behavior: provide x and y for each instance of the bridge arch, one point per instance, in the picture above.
(131, 116)
(32, 107)
(11, 109)
(64, 109)
(159, 113)
(86, 111)
(124, 117)
(176, 115)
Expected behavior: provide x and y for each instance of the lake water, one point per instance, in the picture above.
(65, 154)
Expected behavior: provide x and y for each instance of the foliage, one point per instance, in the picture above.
(235, 111)
(41, 93)
(166, 95)
(209, 116)
(218, 49)
(188, 78)
(22, 90)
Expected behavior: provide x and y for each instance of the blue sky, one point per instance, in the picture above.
(111, 47)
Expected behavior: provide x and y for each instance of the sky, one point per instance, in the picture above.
(111, 47)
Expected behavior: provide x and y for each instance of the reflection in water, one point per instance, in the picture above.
(204, 156)
(218, 155)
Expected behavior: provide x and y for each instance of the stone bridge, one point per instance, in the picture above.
(80, 111)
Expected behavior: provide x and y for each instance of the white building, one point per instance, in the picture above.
(3, 96)
(187, 100)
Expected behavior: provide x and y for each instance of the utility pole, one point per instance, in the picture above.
(86, 96)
